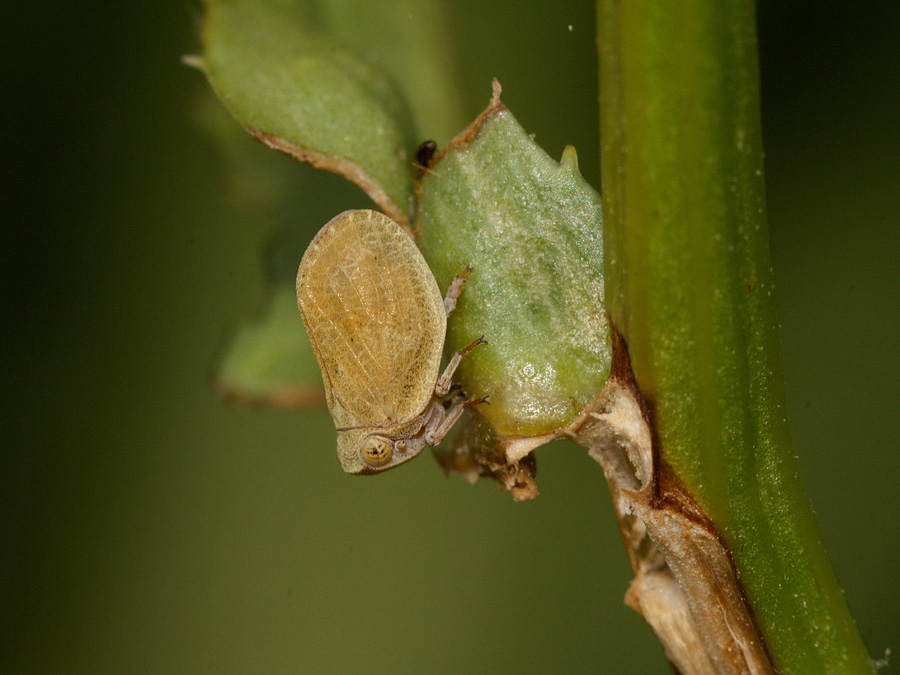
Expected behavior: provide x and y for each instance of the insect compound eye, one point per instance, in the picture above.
(377, 451)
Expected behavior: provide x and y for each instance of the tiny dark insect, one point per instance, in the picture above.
(425, 153)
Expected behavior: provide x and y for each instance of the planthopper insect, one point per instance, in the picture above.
(377, 322)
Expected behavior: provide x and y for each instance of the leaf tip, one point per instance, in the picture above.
(496, 90)
(468, 134)
(569, 160)
(194, 61)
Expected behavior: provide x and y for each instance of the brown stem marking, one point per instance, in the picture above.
(685, 585)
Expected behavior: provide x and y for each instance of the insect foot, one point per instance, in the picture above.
(377, 324)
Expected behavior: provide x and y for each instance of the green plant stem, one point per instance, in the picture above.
(689, 287)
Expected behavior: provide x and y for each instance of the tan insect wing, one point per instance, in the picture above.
(375, 318)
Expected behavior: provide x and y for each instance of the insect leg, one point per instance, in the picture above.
(439, 425)
(454, 395)
(454, 289)
(442, 386)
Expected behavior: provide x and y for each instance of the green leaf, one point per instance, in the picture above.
(266, 186)
(411, 40)
(690, 289)
(269, 361)
(306, 93)
(530, 229)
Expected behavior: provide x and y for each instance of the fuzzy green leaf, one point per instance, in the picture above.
(307, 93)
(412, 41)
(531, 230)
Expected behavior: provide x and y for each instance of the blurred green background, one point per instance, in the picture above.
(148, 527)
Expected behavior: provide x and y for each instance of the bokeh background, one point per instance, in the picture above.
(148, 527)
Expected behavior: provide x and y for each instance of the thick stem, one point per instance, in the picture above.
(689, 287)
